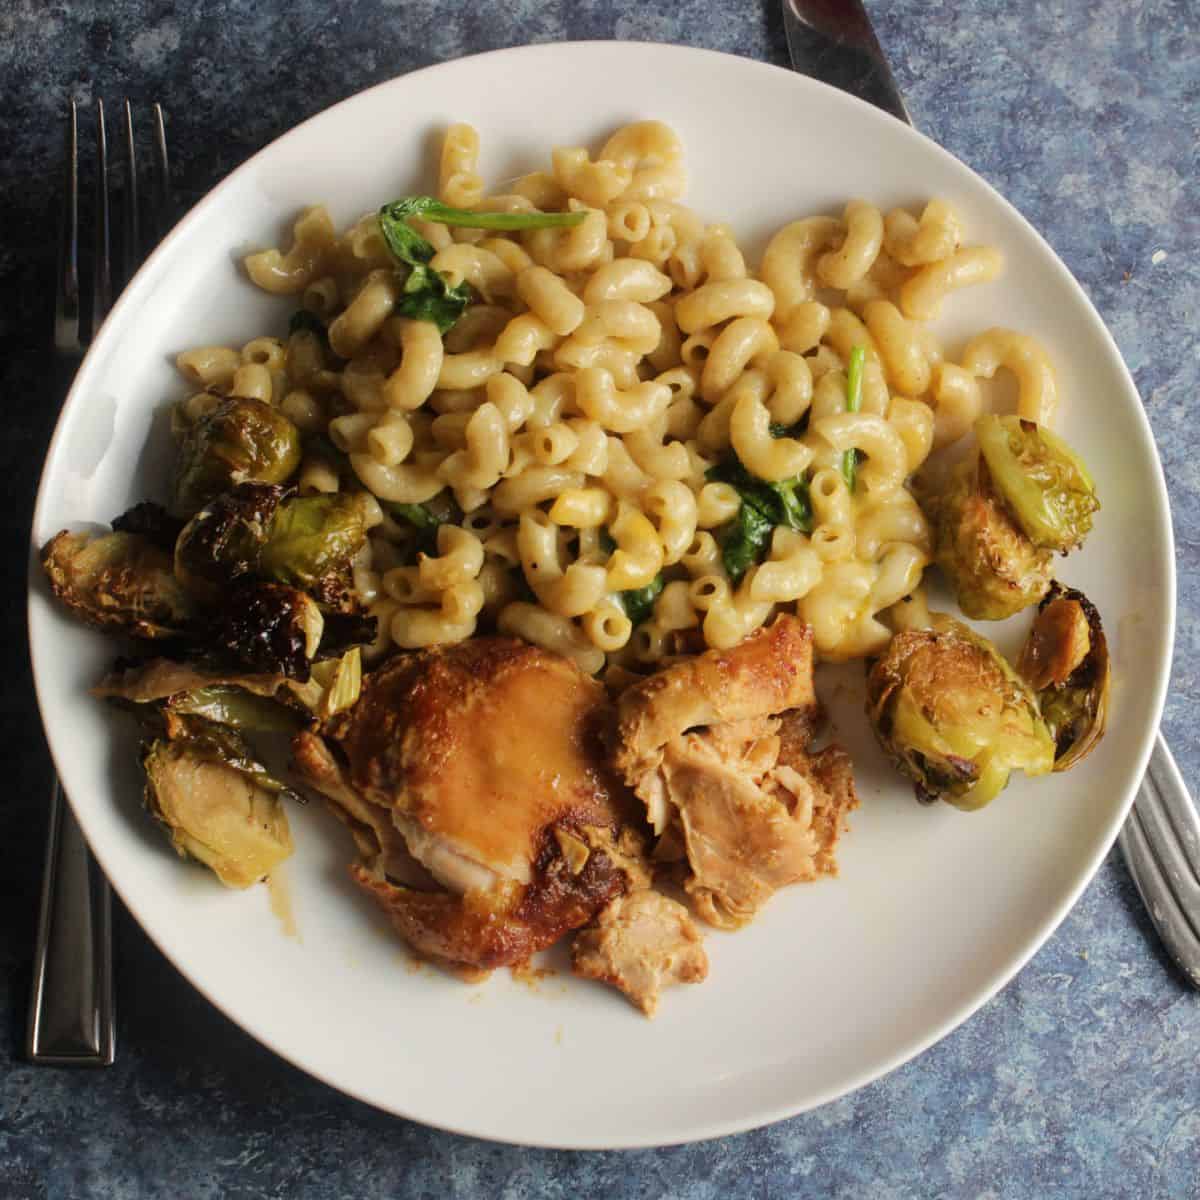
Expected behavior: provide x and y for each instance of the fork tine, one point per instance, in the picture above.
(161, 194)
(66, 300)
(102, 269)
(131, 225)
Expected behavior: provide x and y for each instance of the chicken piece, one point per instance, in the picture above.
(738, 787)
(641, 943)
(769, 672)
(484, 761)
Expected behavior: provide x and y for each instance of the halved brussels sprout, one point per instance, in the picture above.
(224, 540)
(267, 702)
(1065, 661)
(239, 441)
(1042, 480)
(312, 541)
(271, 628)
(218, 803)
(994, 568)
(118, 581)
(954, 716)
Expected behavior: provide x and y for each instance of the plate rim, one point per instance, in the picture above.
(758, 1118)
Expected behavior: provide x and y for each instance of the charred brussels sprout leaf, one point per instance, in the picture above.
(954, 716)
(994, 568)
(239, 441)
(271, 628)
(312, 538)
(1042, 480)
(118, 581)
(344, 630)
(1065, 661)
(151, 521)
(217, 802)
(225, 539)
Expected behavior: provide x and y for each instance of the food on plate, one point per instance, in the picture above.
(1023, 495)
(954, 716)
(118, 581)
(224, 540)
(752, 810)
(238, 439)
(1065, 661)
(530, 529)
(641, 942)
(1043, 481)
(216, 801)
(485, 762)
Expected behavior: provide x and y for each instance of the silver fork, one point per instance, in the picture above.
(833, 40)
(71, 1019)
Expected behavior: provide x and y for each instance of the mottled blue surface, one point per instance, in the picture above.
(1081, 1078)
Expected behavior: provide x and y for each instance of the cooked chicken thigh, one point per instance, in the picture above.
(485, 762)
(753, 809)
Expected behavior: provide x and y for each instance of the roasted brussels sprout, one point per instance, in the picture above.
(271, 628)
(1065, 662)
(224, 540)
(312, 541)
(239, 441)
(217, 802)
(1041, 479)
(118, 581)
(262, 702)
(151, 521)
(994, 568)
(954, 716)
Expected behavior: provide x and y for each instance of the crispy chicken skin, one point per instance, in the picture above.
(485, 761)
(719, 773)
(641, 943)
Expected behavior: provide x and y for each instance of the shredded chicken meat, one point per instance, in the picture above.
(728, 783)
(641, 943)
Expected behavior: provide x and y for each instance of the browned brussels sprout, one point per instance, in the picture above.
(994, 568)
(151, 521)
(1065, 661)
(312, 541)
(118, 581)
(1042, 480)
(271, 628)
(224, 540)
(954, 716)
(239, 441)
(218, 804)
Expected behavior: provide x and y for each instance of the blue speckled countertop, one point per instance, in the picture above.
(1080, 1078)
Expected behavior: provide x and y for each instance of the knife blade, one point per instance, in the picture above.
(834, 41)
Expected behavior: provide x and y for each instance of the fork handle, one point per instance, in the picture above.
(1158, 857)
(71, 1002)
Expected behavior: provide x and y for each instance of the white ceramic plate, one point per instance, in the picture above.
(836, 982)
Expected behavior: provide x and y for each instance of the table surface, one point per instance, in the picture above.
(1080, 1078)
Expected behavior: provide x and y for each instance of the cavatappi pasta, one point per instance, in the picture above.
(576, 410)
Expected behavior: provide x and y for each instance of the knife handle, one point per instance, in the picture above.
(71, 1002)
(833, 41)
